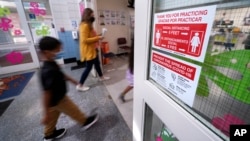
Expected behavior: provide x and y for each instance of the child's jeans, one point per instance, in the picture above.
(67, 107)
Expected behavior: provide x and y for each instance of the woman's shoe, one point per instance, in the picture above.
(104, 78)
(82, 88)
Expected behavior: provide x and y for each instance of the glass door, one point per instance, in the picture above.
(17, 52)
(191, 69)
(40, 21)
(155, 129)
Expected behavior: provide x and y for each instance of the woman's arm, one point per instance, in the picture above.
(84, 35)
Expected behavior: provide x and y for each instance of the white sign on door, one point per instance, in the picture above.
(178, 76)
(184, 32)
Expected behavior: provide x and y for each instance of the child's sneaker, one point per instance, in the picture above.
(56, 134)
(90, 121)
(104, 78)
(82, 88)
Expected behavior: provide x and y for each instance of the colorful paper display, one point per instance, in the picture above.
(36, 10)
(5, 24)
(4, 11)
(43, 31)
(15, 57)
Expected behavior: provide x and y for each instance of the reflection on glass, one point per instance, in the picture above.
(10, 26)
(222, 95)
(12, 57)
(155, 130)
(38, 15)
(35, 11)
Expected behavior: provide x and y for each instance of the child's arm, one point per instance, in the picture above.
(70, 79)
(46, 100)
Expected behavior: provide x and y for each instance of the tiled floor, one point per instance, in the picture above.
(117, 84)
(21, 121)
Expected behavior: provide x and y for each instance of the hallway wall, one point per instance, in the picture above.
(114, 31)
(64, 11)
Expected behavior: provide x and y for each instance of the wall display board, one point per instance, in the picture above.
(111, 17)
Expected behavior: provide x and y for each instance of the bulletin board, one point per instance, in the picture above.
(112, 17)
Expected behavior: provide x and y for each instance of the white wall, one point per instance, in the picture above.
(64, 11)
(114, 31)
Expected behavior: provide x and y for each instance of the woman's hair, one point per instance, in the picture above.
(131, 58)
(86, 16)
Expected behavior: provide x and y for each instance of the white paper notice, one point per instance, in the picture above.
(178, 76)
(184, 32)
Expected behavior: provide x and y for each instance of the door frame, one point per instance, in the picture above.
(183, 125)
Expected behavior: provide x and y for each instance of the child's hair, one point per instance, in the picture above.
(49, 43)
(131, 58)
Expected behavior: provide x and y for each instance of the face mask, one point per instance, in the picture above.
(58, 55)
(92, 19)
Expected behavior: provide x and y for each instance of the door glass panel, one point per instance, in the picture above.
(215, 89)
(35, 11)
(155, 129)
(10, 57)
(11, 30)
(39, 18)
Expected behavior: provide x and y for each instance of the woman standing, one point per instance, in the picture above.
(88, 52)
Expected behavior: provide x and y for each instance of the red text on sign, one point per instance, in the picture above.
(176, 66)
(183, 38)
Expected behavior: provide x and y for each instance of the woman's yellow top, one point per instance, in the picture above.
(87, 43)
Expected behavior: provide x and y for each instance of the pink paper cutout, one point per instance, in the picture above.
(36, 10)
(158, 139)
(34, 4)
(81, 5)
(17, 32)
(14, 57)
(223, 123)
(5, 24)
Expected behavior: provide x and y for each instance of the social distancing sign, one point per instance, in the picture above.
(184, 32)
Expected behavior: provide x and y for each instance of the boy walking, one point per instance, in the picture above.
(55, 100)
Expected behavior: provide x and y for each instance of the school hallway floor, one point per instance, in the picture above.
(21, 121)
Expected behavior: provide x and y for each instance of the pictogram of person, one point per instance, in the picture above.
(195, 42)
(157, 36)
